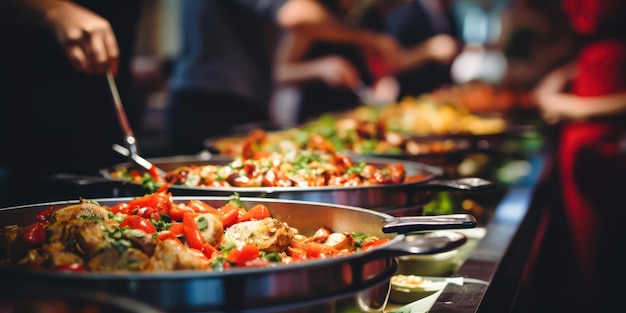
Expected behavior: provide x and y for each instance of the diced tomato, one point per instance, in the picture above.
(229, 214)
(193, 236)
(138, 222)
(147, 212)
(72, 267)
(45, 215)
(374, 243)
(257, 212)
(122, 207)
(34, 234)
(243, 254)
(202, 207)
(249, 168)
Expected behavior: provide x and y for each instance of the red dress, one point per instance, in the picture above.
(593, 161)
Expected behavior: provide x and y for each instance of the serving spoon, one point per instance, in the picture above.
(132, 151)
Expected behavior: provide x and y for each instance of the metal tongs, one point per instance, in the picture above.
(132, 151)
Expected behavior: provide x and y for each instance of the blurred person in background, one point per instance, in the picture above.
(587, 97)
(429, 32)
(222, 77)
(57, 113)
(536, 38)
(322, 76)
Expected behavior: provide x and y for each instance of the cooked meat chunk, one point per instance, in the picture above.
(91, 237)
(78, 210)
(340, 241)
(171, 255)
(110, 260)
(268, 234)
(144, 243)
(64, 258)
(8, 235)
(212, 230)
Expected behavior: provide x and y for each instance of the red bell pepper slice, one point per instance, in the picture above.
(202, 207)
(315, 249)
(193, 236)
(241, 255)
(229, 214)
(178, 210)
(257, 212)
(297, 253)
(167, 235)
(177, 228)
(161, 203)
(208, 250)
(374, 243)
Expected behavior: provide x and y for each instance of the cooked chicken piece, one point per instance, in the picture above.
(78, 210)
(268, 234)
(145, 243)
(110, 259)
(8, 234)
(61, 235)
(321, 235)
(214, 229)
(340, 241)
(171, 255)
(135, 260)
(91, 237)
(64, 258)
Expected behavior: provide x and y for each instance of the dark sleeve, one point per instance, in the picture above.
(268, 8)
(409, 24)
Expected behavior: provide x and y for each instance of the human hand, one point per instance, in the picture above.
(442, 48)
(550, 97)
(337, 72)
(87, 38)
(386, 89)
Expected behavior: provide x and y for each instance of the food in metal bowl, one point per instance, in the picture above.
(253, 287)
(409, 288)
(288, 167)
(154, 233)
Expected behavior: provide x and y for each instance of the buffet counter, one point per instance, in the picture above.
(494, 271)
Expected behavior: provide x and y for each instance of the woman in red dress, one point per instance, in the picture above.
(589, 97)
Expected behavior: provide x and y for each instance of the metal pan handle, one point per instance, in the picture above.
(459, 184)
(407, 224)
(424, 244)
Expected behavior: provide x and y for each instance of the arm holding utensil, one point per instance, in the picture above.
(88, 38)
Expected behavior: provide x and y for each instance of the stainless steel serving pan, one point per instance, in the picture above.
(377, 197)
(361, 279)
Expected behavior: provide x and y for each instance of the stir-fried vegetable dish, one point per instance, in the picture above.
(154, 233)
(286, 166)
